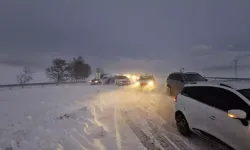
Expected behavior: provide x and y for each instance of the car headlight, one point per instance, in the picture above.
(151, 83)
(137, 83)
(96, 81)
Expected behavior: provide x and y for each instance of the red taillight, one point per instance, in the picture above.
(175, 99)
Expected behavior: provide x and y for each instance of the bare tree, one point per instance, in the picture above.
(25, 76)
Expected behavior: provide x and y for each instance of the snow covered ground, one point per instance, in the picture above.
(83, 117)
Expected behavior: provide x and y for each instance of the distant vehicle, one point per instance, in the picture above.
(177, 80)
(95, 82)
(219, 112)
(122, 80)
(146, 82)
(108, 80)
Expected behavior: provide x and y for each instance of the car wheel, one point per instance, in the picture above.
(182, 124)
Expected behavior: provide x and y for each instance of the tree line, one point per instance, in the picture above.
(60, 71)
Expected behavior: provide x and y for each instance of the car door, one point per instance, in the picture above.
(231, 131)
(196, 108)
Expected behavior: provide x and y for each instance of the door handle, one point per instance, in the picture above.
(212, 117)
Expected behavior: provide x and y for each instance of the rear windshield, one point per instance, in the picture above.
(146, 78)
(245, 92)
(193, 77)
(121, 77)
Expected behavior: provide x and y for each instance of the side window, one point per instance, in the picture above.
(171, 77)
(216, 97)
(200, 93)
(226, 100)
(186, 91)
(196, 93)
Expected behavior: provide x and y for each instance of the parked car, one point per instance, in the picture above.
(95, 81)
(108, 80)
(177, 80)
(122, 80)
(219, 112)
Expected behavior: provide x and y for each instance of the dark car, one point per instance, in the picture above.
(95, 82)
(176, 81)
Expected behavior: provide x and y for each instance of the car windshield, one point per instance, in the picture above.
(245, 92)
(146, 78)
(193, 77)
(122, 77)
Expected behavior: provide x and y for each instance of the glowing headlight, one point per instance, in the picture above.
(137, 83)
(96, 81)
(151, 83)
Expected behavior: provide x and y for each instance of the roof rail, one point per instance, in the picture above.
(192, 82)
(221, 84)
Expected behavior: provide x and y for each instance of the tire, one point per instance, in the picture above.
(182, 124)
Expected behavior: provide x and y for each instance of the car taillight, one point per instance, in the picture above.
(175, 99)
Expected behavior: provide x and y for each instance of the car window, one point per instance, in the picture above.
(193, 77)
(179, 77)
(216, 97)
(171, 76)
(226, 100)
(197, 93)
(122, 77)
(245, 92)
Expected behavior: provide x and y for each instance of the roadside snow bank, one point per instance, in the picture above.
(63, 118)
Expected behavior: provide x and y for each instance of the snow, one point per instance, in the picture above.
(59, 117)
(84, 117)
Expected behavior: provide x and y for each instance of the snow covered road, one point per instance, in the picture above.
(83, 117)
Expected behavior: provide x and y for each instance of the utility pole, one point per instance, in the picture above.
(235, 68)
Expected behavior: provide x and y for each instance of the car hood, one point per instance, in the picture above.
(145, 81)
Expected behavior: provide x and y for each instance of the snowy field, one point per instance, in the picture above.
(83, 117)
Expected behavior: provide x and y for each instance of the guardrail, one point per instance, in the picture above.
(39, 84)
(225, 78)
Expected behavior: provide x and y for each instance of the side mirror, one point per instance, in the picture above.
(237, 114)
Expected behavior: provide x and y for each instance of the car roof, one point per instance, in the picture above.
(146, 76)
(121, 76)
(185, 73)
(237, 85)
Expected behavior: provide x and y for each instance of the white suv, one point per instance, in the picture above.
(219, 112)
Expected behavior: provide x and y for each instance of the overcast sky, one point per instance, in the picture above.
(152, 35)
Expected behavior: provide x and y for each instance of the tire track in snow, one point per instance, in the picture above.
(117, 133)
(177, 143)
(97, 122)
(74, 139)
(144, 138)
(165, 142)
(166, 139)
